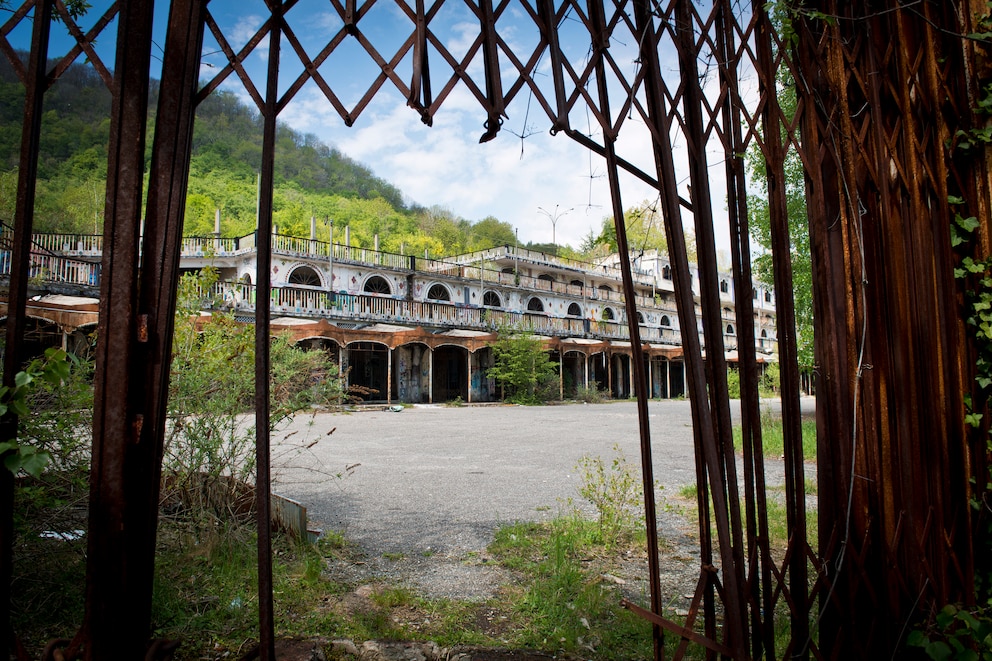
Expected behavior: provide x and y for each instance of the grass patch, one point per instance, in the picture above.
(565, 604)
(772, 436)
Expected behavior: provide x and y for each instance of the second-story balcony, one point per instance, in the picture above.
(314, 303)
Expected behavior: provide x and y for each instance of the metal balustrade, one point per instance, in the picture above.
(306, 302)
(55, 269)
(468, 266)
(89, 245)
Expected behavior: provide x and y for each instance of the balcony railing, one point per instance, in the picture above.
(59, 266)
(53, 269)
(303, 302)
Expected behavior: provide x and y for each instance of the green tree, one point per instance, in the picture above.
(521, 366)
(645, 230)
(759, 220)
(490, 232)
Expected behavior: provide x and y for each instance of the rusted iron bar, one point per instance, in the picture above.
(266, 627)
(758, 589)
(549, 31)
(892, 449)
(159, 279)
(721, 464)
(834, 260)
(115, 594)
(636, 350)
(494, 85)
(420, 85)
(682, 632)
(84, 40)
(795, 485)
(84, 43)
(703, 425)
(34, 97)
(13, 21)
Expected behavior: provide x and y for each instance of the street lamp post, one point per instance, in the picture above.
(554, 218)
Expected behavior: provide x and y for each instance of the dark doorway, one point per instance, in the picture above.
(450, 374)
(367, 371)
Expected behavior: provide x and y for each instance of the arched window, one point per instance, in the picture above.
(605, 288)
(378, 285)
(665, 321)
(666, 272)
(727, 312)
(304, 275)
(545, 277)
(754, 293)
(438, 293)
(535, 304)
(507, 269)
(577, 283)
(764, 333)
(730, 329)
(246, 279)
(640, 318)
(492, 300)
(768, 296)
(608, 314)
(724, 287)
(574, 310)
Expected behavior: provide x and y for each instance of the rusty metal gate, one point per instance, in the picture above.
(881, 95)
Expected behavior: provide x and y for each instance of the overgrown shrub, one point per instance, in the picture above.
(55, 412)
(589, 394)
(209, 461)
(734, 383)
(522, 368)
(616, 491)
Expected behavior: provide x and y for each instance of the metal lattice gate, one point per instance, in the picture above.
(881, 91)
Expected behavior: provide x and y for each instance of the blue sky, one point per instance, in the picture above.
(512, 178)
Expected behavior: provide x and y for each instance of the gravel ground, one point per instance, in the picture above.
(422, 490)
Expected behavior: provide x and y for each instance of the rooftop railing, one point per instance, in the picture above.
(641, 276)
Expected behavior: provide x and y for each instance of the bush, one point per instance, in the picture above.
(616, 492)
(589, 394)
(734, 383)
(522, 368)
(209, 461)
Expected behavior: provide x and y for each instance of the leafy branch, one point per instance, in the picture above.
(54, 368)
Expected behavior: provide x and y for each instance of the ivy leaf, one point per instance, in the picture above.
(34, 462)
(954, 199)
(956, 240)
(916, 638)
(938, 651)
(969, 224)
(21, 379)
(973, 419)
(18, 407)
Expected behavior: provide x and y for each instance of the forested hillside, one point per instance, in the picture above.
(312, 179)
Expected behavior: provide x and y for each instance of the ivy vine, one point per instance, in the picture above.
(960, 633)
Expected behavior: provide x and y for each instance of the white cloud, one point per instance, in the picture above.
(446, 165)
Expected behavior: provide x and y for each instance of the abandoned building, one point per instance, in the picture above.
(417, 329)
